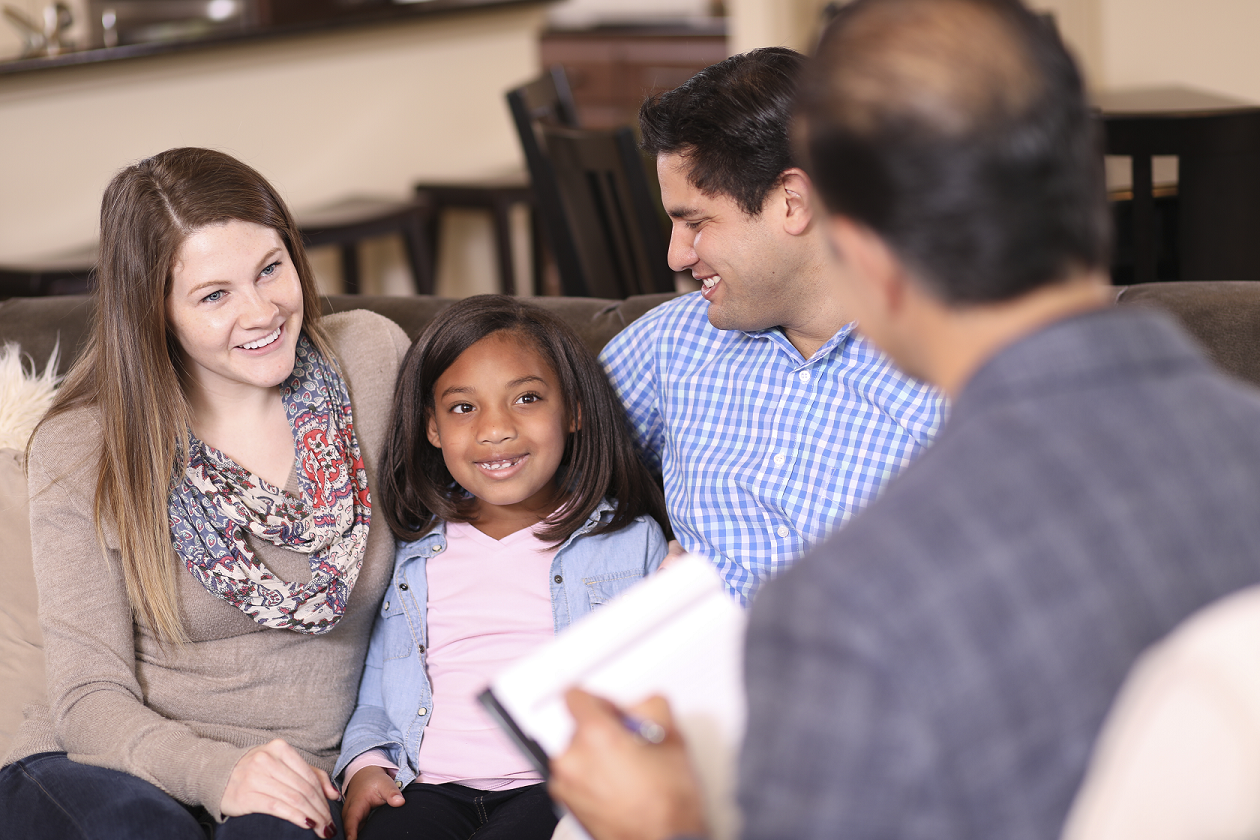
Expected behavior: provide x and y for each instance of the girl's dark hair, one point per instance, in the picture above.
(416, 489)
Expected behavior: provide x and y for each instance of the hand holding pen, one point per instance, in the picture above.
(627, 769)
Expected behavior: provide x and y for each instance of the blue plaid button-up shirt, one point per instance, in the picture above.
(762, 451)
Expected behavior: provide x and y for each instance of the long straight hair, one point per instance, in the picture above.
(416, 488)
(131, 369)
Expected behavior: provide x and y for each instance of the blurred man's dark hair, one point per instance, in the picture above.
(730, 121)
(958, 131)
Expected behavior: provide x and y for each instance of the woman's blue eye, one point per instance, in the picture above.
(213, 296)
(271, 269)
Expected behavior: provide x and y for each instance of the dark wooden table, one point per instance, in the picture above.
(1217, 142)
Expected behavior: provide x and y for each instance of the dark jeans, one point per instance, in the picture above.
(455, 812)
(49, 797)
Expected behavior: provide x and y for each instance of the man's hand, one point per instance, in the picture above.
(618, 786)
(369, 788)
(273, 779)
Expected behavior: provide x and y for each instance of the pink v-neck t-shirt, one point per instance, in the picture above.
(489, 605)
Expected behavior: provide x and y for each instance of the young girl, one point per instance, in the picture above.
(520, 505)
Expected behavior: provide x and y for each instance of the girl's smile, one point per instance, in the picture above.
(500, 420)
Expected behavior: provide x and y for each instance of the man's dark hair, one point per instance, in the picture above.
(730, 121)
(958, 131)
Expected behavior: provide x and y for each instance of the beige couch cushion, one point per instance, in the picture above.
(21, 644)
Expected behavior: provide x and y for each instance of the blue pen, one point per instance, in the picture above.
(648, 730)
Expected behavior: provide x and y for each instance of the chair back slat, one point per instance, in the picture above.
(607, 202)
(548, 100)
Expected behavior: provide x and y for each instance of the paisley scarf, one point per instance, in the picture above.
(218, 502)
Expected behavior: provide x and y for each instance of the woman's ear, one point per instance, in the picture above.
(434, 437)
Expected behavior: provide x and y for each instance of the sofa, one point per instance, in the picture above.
(1225, 317)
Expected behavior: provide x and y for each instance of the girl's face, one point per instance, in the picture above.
(500, 420)
(235, 307)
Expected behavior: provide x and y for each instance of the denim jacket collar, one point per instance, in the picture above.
(427, 545)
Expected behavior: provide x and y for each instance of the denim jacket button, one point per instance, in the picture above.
(559, 579)
(403, 587)
(438, 548)
(387, 606)
(423, 711)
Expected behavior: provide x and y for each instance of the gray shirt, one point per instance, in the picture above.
(940, 668)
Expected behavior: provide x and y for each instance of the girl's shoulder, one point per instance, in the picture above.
(424, 546)
(641, 528)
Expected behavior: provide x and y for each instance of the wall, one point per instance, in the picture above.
(578, 13)
(1210, 44)
(773, 23)
(1120, 43)
(363, 110)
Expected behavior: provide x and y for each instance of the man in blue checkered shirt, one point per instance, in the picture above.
(771, 420)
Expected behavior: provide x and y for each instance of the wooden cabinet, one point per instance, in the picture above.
(613, 69)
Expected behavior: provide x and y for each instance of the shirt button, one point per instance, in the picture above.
(438, 548)
(423, 711)
(421, 648)
(387, 606)
(783, 531)
(558, 579)
(804, 375)
(403, 587)
(779, 459)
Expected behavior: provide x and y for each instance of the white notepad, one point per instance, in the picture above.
(677, 634)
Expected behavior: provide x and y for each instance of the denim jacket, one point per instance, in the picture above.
(395, 697)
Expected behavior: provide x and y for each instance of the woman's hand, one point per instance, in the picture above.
(369, 788)
(273, 779)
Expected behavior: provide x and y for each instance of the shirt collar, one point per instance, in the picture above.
(597, 515)
(777, 337)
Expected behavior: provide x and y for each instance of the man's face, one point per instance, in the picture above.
(741, 260)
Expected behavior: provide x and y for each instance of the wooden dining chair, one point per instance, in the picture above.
(548, 101)
(618, 237)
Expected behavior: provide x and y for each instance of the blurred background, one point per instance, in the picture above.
(330, 98)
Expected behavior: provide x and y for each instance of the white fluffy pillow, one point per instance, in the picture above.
(24, 397)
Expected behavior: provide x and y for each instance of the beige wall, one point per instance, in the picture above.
(773, 23)
(1209, 44)
(372, 110)
(364, 110)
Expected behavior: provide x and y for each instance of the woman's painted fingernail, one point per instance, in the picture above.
(310, 823)
(330, 831)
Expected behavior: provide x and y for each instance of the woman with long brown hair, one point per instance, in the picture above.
(201, 520)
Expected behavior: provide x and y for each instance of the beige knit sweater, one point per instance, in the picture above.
(181, 717)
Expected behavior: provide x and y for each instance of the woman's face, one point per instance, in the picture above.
(235, 307)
